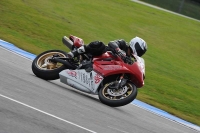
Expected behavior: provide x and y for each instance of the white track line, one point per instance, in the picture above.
(47, 113)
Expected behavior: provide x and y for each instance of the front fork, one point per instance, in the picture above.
(118, 84)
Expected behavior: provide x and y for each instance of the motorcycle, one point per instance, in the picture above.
(113, 79)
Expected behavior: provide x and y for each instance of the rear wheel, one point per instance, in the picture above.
(43, 68)
(118, 97)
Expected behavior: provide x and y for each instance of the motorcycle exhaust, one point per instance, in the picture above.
(67, 42)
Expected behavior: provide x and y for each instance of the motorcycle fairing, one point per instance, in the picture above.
(107, 68)
(138, 71)
(141, 63)
(82, 80)
(116, 66)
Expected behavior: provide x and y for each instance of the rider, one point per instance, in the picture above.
(137, 46)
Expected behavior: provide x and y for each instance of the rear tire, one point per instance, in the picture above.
(116, 98)
(43, 68)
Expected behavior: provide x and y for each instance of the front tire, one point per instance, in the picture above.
(116, 98)
(43, 68)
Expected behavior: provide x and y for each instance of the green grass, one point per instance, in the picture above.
(172, 60)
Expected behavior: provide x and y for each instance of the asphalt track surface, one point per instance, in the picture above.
(32, 105)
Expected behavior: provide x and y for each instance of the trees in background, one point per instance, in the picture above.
(196, 1)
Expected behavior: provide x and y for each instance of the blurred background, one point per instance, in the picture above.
(190, 8)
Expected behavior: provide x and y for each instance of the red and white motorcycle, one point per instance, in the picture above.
(108, 76)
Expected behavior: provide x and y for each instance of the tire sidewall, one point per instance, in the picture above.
(47, 74)
(117, 103)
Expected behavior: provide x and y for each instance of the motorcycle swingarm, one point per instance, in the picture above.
(64, 61)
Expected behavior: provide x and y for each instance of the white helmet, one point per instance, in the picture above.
(138, 46)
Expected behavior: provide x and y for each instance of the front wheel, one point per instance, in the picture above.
(43, 68)
(118, 97)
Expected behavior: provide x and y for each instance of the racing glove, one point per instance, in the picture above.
(123, 56)
(120, 52)
(128, 60)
